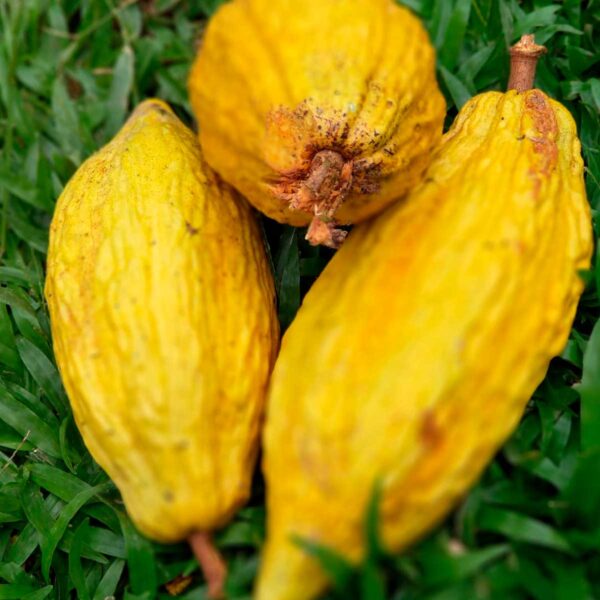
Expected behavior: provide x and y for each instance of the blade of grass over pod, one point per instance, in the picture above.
(336, 566)
(373, 544)
(372, 584)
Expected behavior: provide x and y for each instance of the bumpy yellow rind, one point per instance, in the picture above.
(416, 351)
(276, 82)
(162, 309)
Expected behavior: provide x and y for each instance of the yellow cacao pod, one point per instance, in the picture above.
(162, 310)
(317, 109)
(414, 354)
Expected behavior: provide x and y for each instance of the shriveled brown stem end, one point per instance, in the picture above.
(523, 61)
(325, 233)
(211, 562)
(324, 188)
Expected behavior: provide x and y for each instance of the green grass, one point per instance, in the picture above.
(70, 71)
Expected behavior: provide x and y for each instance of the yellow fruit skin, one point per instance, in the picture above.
(276, 82)
(416, 351)
(162, 309)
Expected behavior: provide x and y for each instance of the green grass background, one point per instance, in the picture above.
(70, 71)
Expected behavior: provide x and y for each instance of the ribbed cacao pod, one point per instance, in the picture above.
(162, 308)
(414, 354)
(317, 111)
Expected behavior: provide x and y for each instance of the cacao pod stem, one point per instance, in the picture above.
(211, 562)
(523, 61)
(326, 186)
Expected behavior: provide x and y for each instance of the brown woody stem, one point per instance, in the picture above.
(523, 61)
(211, 562)
(321, 193)
(326, 182)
